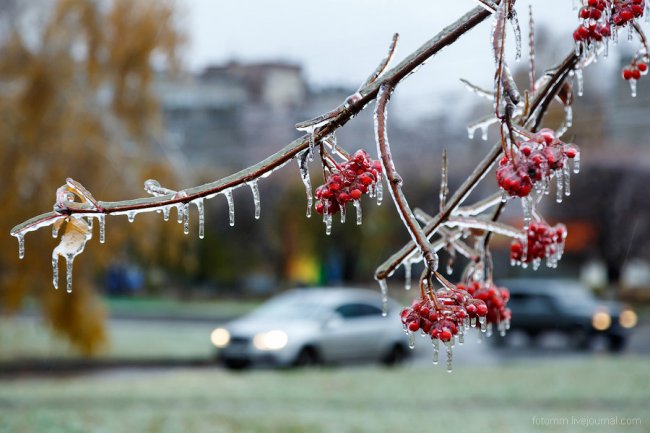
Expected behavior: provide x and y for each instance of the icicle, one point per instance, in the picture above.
(304, 175)
(461, 336)
(231, 206)
(179, 213)
(566, 172)
(489, 330)
(514, 21)
(91, 225)
(55, 270)
(436, 350)
(69, 260)
(357, 206)
(21, 245)
(559, 191)
(328, 224)
(450, 269)
(527, 206)
(200, 207)
(256, 198)
(407, 274)
(102, 228)
(186, 218)
(449, 356)
(633, 87)
(131, 216)
(576, 163)
(383, 286)
(482, 320)
(579, 81)
(165, 212)
(343, 209)
(55, 231)
(472, 322)
(312, 143)
(484, 132)
(411, 340)
(380, 190)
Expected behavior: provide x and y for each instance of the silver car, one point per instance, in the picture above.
(312, 326)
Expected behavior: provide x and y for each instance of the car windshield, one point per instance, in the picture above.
(576, 297)
(291, 308)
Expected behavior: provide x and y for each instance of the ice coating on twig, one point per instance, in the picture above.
(487, 225)
(152, 186)
(514, 22)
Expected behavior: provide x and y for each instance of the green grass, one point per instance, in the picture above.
(362, 399)
(26, 337)
(175, 308)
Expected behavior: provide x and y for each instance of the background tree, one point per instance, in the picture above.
(76, 100)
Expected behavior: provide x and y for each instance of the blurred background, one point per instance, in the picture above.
(112, 93)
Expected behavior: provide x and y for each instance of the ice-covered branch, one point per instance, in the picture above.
(536, 112)
(395, 181)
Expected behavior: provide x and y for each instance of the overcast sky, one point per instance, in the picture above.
(341, 41)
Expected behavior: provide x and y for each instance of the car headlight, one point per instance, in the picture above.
(220, 337)
(628, 319)
(272, 340)
(601, 320)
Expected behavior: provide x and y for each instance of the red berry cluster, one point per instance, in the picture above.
(495, 298)
(537, 159)
(635, 70)
(438, 324)
(543, 241)
(592, 28)
(626, 10)
(348, 182)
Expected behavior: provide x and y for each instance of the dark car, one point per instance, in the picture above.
(541, 305)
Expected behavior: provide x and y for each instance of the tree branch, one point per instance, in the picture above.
(339, 117)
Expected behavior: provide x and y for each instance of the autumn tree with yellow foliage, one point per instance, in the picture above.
(76, 101)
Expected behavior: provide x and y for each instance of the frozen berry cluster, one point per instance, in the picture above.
(495, 299)
(543, 241)
(457, 310)
(635, 70)
(348, 182)
(624, 11)
(599, 16)
(594, 26)
(536, 159)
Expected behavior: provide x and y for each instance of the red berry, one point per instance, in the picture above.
(627, 74)
(444, 335)
(355, 194)
(413, 326)
(642, 67)
(636, 74)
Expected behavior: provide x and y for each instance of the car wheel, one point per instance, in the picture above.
(236, 364)
(580, 339)
(307, 357)
(396, 356)
(616, 343)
